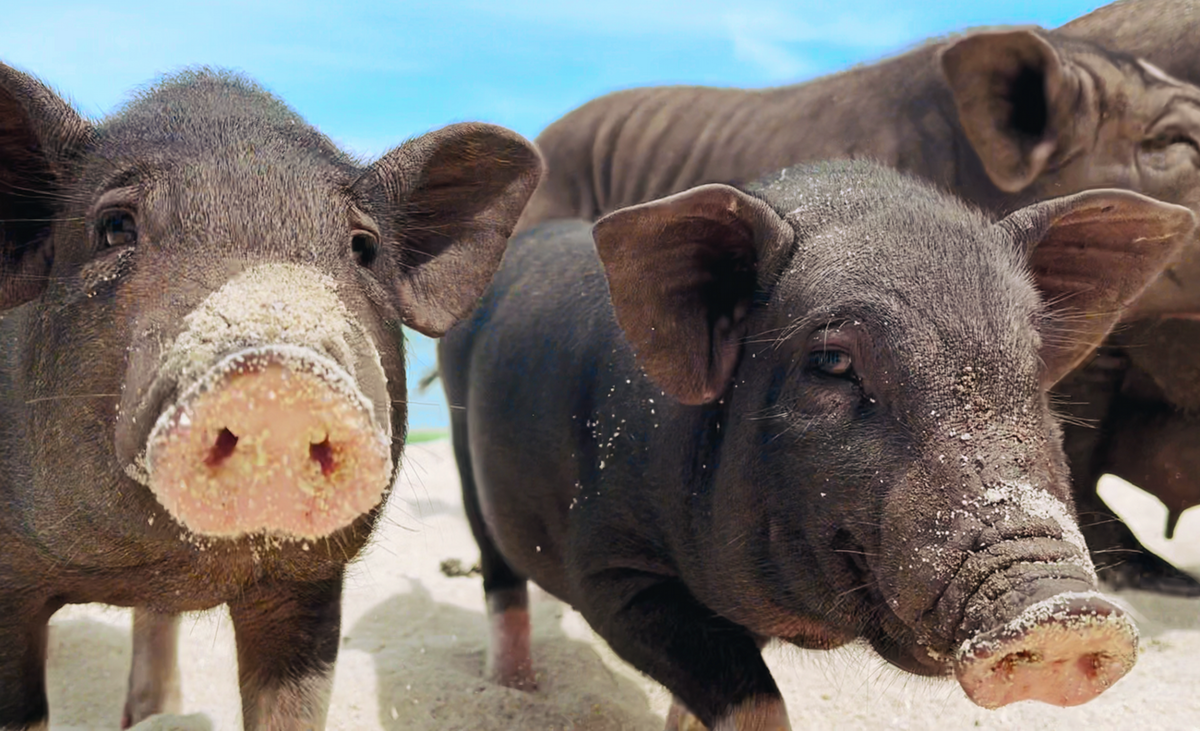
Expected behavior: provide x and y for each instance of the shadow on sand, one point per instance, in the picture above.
(429, 660)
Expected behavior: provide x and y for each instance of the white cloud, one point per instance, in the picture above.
(765, 33)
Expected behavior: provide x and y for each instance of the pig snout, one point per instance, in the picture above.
(1018, 602)
(268, 413)
(275, 439)
(1065, 650)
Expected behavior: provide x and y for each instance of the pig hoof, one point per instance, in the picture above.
(1148, 572)
(509, 660)
(679, 718)
(274, 440)
(756, 714)
(1064, 651)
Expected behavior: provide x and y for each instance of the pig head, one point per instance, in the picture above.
(202, 393)
(912, 456)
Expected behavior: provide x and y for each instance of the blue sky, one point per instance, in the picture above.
(372, 74)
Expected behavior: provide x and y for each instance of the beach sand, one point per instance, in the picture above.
(413, 650)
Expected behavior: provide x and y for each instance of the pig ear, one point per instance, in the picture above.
(1012, 102)
(1091, 255)
(39, 133)
(455, 195)
(682, 272)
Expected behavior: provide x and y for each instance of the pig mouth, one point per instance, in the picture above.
(275, 440)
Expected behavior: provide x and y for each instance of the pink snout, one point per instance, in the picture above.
(277, 441)
(1065, 651)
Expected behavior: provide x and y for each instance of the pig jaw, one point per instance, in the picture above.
(273, 440)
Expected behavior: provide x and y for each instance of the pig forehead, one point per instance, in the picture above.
(943, 275)
(204, 198)
(968, 313)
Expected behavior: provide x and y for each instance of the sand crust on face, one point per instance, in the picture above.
(414, 644)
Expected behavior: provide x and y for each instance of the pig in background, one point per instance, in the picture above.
(999, 118)
(202, 393)
(1142, 410)
(814, 410)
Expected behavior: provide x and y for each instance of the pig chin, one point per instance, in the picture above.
(276, 440)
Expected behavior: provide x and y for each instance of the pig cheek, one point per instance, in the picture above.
(274, 451)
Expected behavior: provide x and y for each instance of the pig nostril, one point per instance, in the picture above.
(323, 454)
(1010, 663)
(221, 449)
(1091, 664)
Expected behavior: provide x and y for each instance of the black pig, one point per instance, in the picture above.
(202, 394)
(1001, 118)
(814, 409)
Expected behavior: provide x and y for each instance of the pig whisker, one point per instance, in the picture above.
(391, 520)
(770, 412)
(838, 598)
(1105, 519)
(426, 403)
(1072, 420)
(856, 553)
(415, 477)
(41, 220)
(64, 397)
(43, 193)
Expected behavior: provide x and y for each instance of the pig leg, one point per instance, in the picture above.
(154, 670)
(23, 641)
(287, 641)
(509, 662)
(713, 666)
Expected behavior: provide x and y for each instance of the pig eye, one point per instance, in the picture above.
(116, 229)
(1163, 140)
(830, 362)
(365, 246)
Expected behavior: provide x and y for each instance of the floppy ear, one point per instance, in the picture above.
(39, 132)
(682, 272)
(1015, 102)
(454, 196)
(1091, 255)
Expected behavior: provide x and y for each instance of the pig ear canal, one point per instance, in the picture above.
(454, 196)
(39, 132)
(683, 273)
(1092, 255)
(1009, 91)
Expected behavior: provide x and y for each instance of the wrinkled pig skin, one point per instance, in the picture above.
(202, 392)
(1000, 118)
(1148, 438)
(811, 410)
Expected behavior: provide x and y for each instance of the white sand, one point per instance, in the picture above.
(413, 649)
